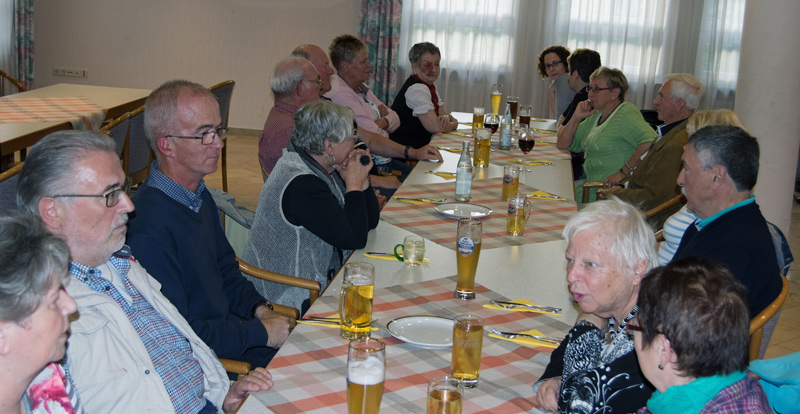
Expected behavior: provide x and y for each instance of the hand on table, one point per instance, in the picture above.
(278, 326)
(547, 396)
(257, 380)
(425, 153)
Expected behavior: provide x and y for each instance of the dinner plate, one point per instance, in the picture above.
(428, 331)
(463, 210)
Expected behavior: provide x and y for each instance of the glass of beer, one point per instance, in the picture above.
(483, 148)
(513, 104)
(413, 250)
(365, 374)
(467, 346)
(355, 301)
(444, 395)
(525, 115)
(497, 97)
(467, 253)
(510, 180)
(519, 210)
(477, 118)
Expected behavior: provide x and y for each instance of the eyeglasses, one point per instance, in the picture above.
(318, 81)
(596, 89)
(207, 137)
(553, 64)
(112, 197)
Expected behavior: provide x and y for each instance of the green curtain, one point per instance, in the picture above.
(23, 41)
(379, 29)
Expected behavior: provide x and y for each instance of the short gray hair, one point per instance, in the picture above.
(50, 164)
(420, 49)
(731, 147)
(287, 74)
(161, 108)
(632, 238)
(320, 121)
(33, 260)
(685, 86)
(615, 79)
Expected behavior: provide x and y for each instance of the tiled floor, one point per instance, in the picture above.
(244, 182)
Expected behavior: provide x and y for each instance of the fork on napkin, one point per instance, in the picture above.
(527, 341)
(443, 174)
(331, 321)
(545, 196)
(533, 163)
(521, 308)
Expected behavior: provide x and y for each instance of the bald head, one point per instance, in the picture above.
(319, 59)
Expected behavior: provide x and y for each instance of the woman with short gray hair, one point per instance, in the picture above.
(316, 206)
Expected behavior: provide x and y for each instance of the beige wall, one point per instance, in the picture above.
(142, 43)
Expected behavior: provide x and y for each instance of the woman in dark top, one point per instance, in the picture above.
(317, 205)
(418, 104)
(594, 370)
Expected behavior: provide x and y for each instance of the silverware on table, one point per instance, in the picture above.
(328, 320)
(381, 254)
(512, 335)
(424, 200)
(512, 305)
(439, 172)
(544, 196)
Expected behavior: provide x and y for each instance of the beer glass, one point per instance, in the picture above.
(355, 301)
(365, 374)
(525, 115)
(444, 395)
(413, 250)
(467, 346)
(483, 147)
(497, 97)
(519, 210)
(467, 253)
(477, 118)
(510, 180)
(513, 104)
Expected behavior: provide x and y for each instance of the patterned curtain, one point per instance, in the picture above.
(379, 29)
(23, 41)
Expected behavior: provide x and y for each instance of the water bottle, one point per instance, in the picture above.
(464, 174)
(505, 130)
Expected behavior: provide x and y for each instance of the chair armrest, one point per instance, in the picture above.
(286, 311)
(312, 286)
(674, 201)
(659, 236)
(588, 185)
(236, 367)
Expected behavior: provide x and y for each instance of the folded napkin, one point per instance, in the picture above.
(445, 175)
(414, 202)
(375, 256)
(454, 150)
(533, 163)
(543, 142)
(527, 341)
(521, 308)
(543, 195)
(333, 318)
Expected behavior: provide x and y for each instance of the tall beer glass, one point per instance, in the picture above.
(467, 346)
(513, 104)
(497, 97)
(483, 148)
(477, 118)
(365, 374)
(468, 251)
(355, 301)
(525, 115)
(444, 395)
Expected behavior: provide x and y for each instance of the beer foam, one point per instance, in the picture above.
(360, 280)
(366, 372)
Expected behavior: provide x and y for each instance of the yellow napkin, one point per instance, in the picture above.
(449, 149)
(542, 195)
(414, 202)
(375, 256)
(445, 175)
(333, 318)
(543, 142)
(533, 163)
(527, 341)
(521, 308)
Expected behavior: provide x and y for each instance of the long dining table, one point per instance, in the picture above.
(309, 370)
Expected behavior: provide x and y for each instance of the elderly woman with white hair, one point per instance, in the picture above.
(609, 250)
(317, 205)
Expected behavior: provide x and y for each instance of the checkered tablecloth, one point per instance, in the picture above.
(310, 369)
(547, 220)
(82, 113)
(543, 150)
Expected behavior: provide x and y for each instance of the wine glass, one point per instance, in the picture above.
(492, 122)
(525, 142)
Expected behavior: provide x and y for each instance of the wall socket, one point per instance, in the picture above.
(77, 73)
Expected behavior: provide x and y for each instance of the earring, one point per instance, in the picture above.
(661, 367)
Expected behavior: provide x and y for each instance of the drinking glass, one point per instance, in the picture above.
(483, 148)
(444, 395)
(492, 122)
(366, 369)
(497, 97)
(524, 115)
(510, 180)
(467, 347)
(413, 248)
(526, 143)
(513, 103)
(519, 210)
(468, 252)
(477, 118)
(355, 300)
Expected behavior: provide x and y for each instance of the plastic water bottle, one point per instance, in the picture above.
(464, 174)
(505, 130)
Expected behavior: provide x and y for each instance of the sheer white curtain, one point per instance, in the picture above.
(485, 42)
(6, 36)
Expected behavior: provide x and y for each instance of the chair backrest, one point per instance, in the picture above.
(6, 78)
(757, 323)
(223, 91)
(8, 188)
(782, 250)
(119, 130)
(139, 152)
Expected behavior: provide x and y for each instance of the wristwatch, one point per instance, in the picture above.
(405, 152)
(259, 304)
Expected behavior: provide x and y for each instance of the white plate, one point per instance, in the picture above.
(463, 210)
(429, 331)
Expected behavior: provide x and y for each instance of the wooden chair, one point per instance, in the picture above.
(5, 77)
(8, 188)
(313, 287)
(588, 186)
(757, 323)
(679, 199)
(223, 91)
(119, 129)
(137, 154)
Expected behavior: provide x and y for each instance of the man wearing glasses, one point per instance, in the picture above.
(177, 235)
(130, 350)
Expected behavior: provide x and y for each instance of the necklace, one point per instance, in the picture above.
(612, 332)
